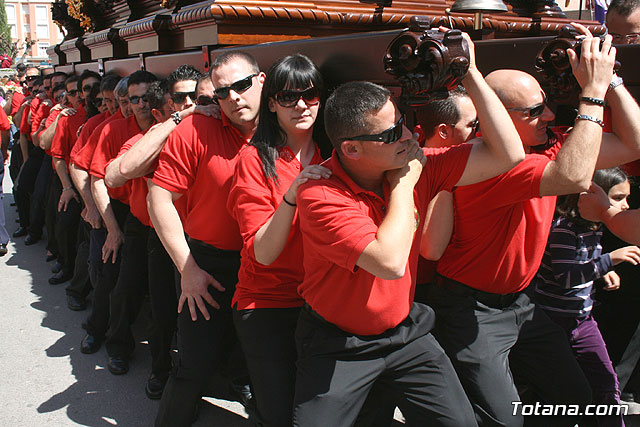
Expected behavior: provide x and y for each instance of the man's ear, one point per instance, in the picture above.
(443, 131)
(157, 115)
(351, 149)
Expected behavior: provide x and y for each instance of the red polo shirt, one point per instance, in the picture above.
(501, 228)
(4, 121)
(16, 102)
(25, 124)
(138, 188)
(87, 130)
(111, 139)
(200, 157)
(82, 158)
(338, 219)
(41, 113)
(252, 202)
(66, 134)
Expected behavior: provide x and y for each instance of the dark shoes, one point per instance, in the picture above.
(76, 303)
(155, 385)
(241, 391)
(90, 344)
(51, 257)
(31, 240)
(3, 249)
(57, 267)
(59, 277)
(118, 365)
(21, 231)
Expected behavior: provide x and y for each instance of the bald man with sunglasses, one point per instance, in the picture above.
(487, 323)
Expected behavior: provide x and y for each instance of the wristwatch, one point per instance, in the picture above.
(615, 82)
(176, 117)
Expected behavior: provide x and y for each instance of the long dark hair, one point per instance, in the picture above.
(291, 72)
(605, 178)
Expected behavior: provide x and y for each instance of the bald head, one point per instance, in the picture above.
(509, 85)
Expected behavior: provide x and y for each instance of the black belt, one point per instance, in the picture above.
(212, 250)
(486, 298)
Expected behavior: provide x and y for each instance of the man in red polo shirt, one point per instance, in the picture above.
(141, 154)
(103, 272)
(487, 322)
(360, 326)
(5, 127)
(197, 163)
(80, 285)
(68, 203)
(126, 298)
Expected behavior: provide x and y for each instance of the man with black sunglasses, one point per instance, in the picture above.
(500, 234)
(125, 300)
(68, 203)
(360, 328)
(182, 85)
(197, 164)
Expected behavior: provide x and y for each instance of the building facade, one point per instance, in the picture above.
(31, 20)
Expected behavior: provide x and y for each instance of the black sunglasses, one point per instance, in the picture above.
(180, 97)
(534, 111)
(136, 99)
(60, 97)
(240, 86)
(30, 78)
(73, 92)
(389, 136)
(289, 98)
(205, 100)
(87, 88)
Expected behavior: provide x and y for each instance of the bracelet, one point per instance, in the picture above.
(591, 100)
(284, 199)
(591, 119)
(67, 188)
(176, 117)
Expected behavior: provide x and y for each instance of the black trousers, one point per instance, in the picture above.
(488, 337)
(39, 198)
(164, 304)
(80, 285)
(51, 213)
(267, 336)
(203, 344)
(26, 185)
(130, 289)
(337, 370)
(15, 164)
(67, 235)
(104, 276)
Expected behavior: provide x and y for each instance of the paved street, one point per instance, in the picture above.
(46, 381)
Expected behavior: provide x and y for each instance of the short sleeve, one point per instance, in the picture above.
(445, 166)
(4, 121)
(177, 164)
(333, 224)
(60, 139)
(250, 201)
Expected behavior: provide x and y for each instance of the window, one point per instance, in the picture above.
(42, 49)
(11, 20)
(42, 22)
(26, 30)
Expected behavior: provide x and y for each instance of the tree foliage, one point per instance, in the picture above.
(5, 32)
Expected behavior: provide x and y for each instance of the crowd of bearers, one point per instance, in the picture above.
(292, 269)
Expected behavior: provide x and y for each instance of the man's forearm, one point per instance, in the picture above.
(103, 203)
(7, 106)
(46, 137)
(112, 176)
(167, 224)
(624, 224)
(625, 115)
(498, 132)
(24, 147)
(63, 173)
(138, 161)
(82, 182)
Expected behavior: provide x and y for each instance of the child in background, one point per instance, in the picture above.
(573, 259)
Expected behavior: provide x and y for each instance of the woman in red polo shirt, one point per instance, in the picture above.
(281, 156)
